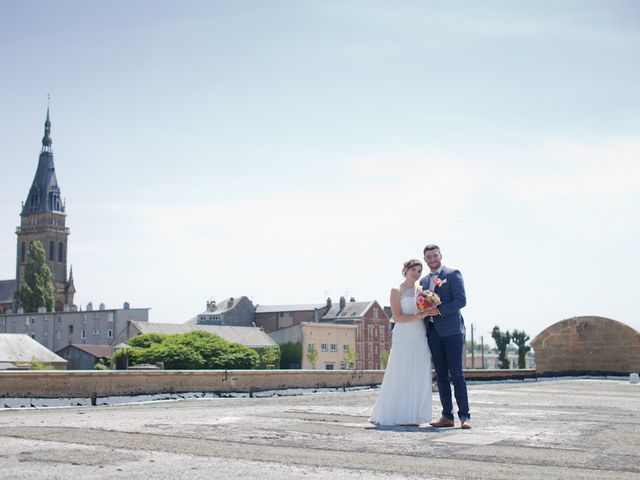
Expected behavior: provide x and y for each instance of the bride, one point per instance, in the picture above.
(405, 394)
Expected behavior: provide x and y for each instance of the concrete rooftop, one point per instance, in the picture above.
(556, 429)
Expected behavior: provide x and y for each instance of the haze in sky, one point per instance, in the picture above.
(295, 150)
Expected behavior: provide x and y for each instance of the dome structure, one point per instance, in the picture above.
(587, 346)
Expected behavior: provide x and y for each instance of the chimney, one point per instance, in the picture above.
(353, 299)
(89, 307)
(101, 306)
(230, 303)
(343, 303)
(125, 306)
(328, 302)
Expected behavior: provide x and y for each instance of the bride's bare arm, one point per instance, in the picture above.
(396, 312)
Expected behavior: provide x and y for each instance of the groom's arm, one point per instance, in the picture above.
(456, 284)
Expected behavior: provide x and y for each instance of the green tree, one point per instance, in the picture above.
(37, 290)
(102, 364)
(312, 354)
(193, 350)
(269, 356)
(146, 339)
(502, 340)
(384, 358)
(350, 358)
(520, 338)
(37, 365)
(290, 354)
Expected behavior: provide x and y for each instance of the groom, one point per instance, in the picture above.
(445, 332)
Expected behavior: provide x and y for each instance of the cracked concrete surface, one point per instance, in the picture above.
(563, 429)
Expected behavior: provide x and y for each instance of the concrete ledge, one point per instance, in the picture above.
(103, 383)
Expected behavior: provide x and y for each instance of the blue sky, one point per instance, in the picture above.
(290, 150)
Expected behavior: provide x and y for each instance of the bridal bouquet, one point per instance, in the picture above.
(426, 299)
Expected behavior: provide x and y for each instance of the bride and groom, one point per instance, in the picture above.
(419, 336)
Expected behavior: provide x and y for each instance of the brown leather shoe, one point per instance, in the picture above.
(443, 422)
(465, 424)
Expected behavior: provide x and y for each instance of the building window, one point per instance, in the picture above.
(45, 334)
(329, 366)
(33, 335)
(96, 331)
(84, 318)
(345, 348)
(109, 333)
(70, 329)
(57, 335)
(334, 347)
(51, 251)
(324, 347)
(343, 366)
(2, 322)
(60, 253)
(23, 252)
(32, 320)
(110, 317)
(311, 347)
(83, 334)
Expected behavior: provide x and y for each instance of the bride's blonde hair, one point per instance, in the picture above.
(409, 264)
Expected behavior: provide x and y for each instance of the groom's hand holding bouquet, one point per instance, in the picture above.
(427, 302)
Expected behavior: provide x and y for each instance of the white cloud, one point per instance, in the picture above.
(582, 172)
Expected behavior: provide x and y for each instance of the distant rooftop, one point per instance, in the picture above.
(306, 307)
(250, 336)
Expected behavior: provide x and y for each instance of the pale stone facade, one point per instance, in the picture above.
(331, 342)
(56, 330)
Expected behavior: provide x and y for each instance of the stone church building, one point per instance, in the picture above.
(43, 219)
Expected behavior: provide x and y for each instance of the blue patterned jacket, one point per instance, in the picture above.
(453, 297)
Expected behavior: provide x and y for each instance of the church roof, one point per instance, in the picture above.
(44, 194)
(7, 290)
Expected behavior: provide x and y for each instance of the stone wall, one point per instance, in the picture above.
(103, 383)
(587, 345)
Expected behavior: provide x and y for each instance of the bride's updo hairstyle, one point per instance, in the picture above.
(409, 264)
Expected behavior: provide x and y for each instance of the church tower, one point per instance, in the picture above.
(43, 219)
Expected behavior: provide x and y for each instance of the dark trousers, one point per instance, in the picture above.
(446, 353)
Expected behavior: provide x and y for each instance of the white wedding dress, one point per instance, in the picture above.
(405, 394)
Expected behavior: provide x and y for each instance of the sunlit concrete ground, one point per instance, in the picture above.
(556, 429)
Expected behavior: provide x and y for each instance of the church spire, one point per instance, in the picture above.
(44, 195)
(46, 140)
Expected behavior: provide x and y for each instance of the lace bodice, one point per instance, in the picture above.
(408, 302)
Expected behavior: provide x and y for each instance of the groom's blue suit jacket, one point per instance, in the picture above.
(451, 293)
